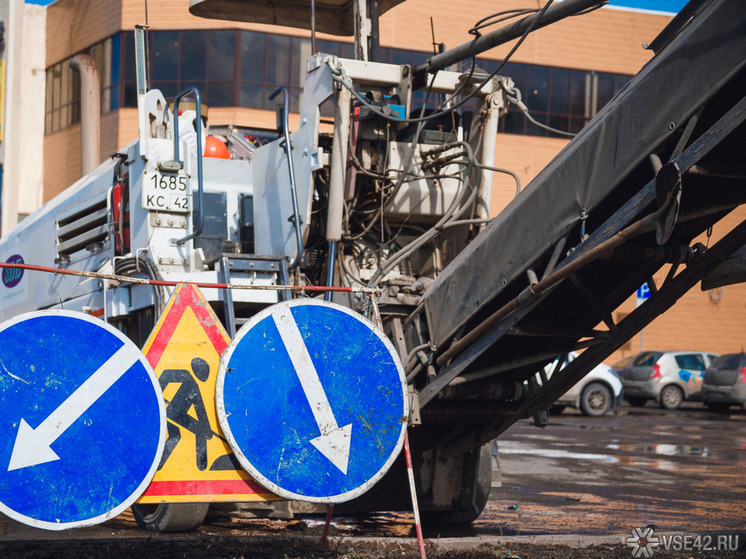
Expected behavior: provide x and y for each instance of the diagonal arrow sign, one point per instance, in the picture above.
(33, 446)
(334, 442)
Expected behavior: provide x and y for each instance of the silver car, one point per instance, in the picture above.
(725, 383)
(668, 377)
(595, 394)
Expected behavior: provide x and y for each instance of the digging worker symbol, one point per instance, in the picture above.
(187, 396)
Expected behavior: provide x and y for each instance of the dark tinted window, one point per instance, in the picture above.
(692, 362)
(193, 55)
(536, 94)
(559, 96)
(165, 54)
(222, 56)
(252, 56)
(278, 68)
(733, 361)
(231, 67)
(647, 359)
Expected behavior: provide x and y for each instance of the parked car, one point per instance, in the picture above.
(668, 377)
(619, 366)
(596, 394)
(724, 384)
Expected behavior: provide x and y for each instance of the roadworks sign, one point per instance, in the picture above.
(198, 464)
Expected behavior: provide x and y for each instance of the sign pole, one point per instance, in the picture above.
(407, 454)
(643, 294)
(413, 491)
(329, 512)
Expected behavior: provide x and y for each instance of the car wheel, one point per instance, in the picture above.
(637, 401)
(718, 407)
(173, 517)
(671, 397)
(596, 399)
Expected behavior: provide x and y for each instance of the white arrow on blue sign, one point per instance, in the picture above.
(83, 420)
(313, 401)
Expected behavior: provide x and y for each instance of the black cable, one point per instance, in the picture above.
(466, 98)
(131, 265)
(501, 16)
(402, 175)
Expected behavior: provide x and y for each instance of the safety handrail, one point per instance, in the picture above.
(198, 108)
(291, 171)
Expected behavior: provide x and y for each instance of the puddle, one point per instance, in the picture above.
(662, 449)
(512, 447)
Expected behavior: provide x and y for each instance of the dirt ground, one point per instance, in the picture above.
(245, 548)
(596, 478)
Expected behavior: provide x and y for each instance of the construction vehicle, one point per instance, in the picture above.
(396, 197)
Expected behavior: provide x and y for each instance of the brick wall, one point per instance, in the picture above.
(73, 25)
(62, 153)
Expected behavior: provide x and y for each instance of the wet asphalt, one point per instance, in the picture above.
(579, 481)
(674, 470)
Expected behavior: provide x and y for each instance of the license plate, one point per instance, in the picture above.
(166, 192)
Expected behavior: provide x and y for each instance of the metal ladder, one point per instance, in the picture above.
(231, 266)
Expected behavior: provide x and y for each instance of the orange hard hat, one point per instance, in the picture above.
(214, 147)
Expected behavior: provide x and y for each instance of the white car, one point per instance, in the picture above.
(595, 394)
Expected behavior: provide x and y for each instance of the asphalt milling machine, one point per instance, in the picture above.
(396, 197)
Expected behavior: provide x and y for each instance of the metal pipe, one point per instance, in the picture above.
(173, 283)
(337, 174)
(486, 156)
(330, 269)
(338, 165)
(313, 27)
(500, 36)
(198, 109)
(291, 173)
(90, 111)
(375, 42)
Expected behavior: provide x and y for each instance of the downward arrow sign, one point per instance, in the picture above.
(334, 442)
(33, 446)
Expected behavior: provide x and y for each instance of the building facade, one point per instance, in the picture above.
(565, 73)
(22, 65)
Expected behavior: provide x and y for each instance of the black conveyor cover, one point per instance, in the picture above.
(669, 89)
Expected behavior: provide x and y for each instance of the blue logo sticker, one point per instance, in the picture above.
(13, 276)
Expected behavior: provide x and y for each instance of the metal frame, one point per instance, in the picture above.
(602, 240)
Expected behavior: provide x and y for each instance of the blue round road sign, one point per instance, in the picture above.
(313, 400)
(83, 421)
